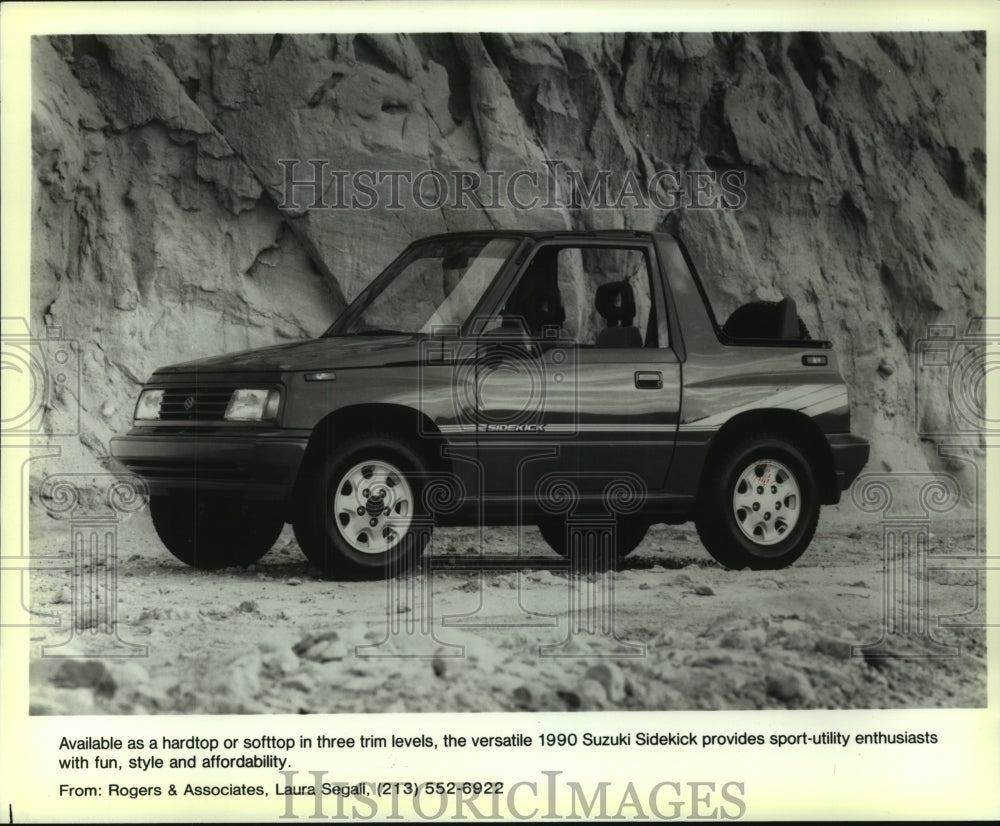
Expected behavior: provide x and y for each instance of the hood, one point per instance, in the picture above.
(341, 352)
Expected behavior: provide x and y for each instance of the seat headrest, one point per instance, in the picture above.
(550, 312)
(536, 297)
(615, 302)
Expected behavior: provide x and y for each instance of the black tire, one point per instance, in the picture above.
(738, 536)
(210, 530)
(629, 534)
(342, 543)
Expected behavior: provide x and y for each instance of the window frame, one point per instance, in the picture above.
(657, 296)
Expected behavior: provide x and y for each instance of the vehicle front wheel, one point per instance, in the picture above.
(759, 509)
(361, 514)
(209, 530)
(629, 533)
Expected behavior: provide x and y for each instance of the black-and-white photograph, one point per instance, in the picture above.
(496, 371)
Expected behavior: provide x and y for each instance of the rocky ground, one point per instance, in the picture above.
(687, 634)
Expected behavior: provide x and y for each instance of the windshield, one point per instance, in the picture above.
(436, 284)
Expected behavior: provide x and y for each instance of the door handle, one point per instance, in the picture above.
(648, 379)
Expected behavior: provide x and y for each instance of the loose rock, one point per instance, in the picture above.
(91, 674)
(789, 685)
(592, 693)
(524, 698)
(838, 649)
(611, 677)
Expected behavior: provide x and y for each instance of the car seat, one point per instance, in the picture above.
(788, 319)
(766, 320)
(536, 297)
(615, 302)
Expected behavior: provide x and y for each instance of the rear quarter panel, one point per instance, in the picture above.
(721, 381)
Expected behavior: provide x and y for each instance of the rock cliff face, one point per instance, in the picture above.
(164, 227)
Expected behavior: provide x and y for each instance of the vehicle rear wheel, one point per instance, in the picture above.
(629, 534)
(361, 515)
(210, 530)
(760, 509)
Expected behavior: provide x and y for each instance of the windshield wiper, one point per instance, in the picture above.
(378, 331)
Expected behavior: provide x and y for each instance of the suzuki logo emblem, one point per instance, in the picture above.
(189, 402)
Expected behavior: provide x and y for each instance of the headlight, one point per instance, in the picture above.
(253, 405)
(148, 406)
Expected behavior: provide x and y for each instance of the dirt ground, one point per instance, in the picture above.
(492, 628)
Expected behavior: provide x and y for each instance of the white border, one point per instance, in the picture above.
(896, 783)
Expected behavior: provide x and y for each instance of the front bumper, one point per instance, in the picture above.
(850, 455)
(262, 465)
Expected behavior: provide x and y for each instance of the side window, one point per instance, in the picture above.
(598, 296)
(607, 296)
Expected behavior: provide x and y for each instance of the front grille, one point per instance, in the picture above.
(206, 404)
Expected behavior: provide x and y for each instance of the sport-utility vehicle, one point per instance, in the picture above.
(503, 377)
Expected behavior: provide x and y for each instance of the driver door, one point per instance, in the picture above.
(584, 385)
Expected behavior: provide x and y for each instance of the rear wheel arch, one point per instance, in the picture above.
(759, 506)
(792, 425)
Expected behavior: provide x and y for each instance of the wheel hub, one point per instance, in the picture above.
(373, 506)
(766, 502)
